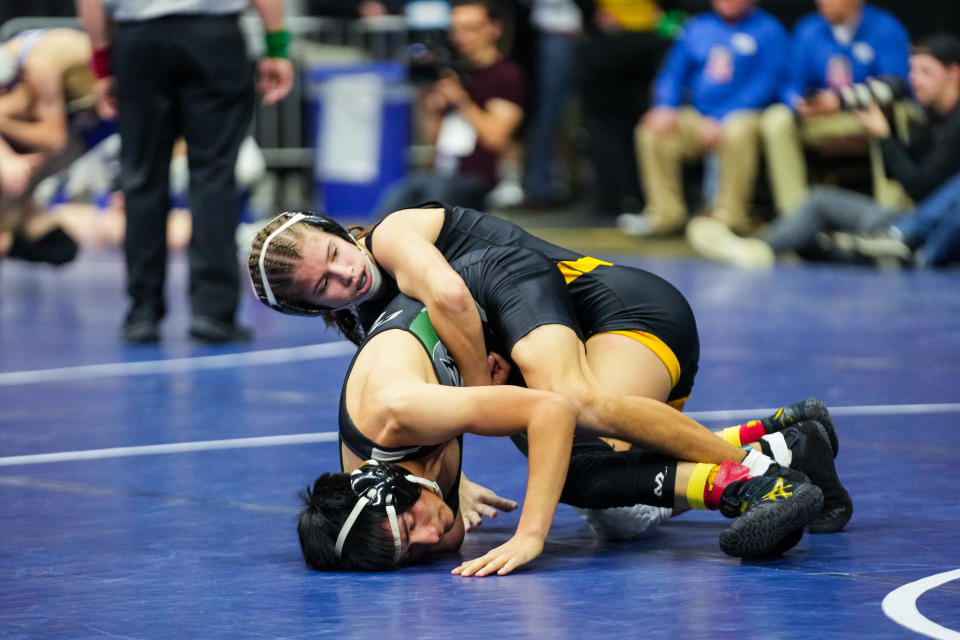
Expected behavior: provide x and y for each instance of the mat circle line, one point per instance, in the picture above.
(900, 605)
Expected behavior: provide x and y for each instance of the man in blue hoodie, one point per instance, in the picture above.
(845, 42)
(707, 98)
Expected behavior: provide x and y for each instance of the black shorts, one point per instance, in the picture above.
(640, 304)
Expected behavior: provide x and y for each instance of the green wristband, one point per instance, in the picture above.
(671, 24)
(277, 42)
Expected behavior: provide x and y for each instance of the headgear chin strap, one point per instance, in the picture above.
(387, 488)
(376, 278)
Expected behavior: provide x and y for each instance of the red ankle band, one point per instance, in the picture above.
(728, 472)
(752, 431)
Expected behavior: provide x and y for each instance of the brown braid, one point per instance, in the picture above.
(282, 259)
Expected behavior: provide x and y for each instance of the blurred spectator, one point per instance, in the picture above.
(10, 9)
(624, 45)
(846, 42)
(353, 8)
(468, 115)
(181, 68)
(728, 62)
(928, 167)
(557, 24)
(46, 122)
(85, 201)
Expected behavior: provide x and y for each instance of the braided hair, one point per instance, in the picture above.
(284, 254)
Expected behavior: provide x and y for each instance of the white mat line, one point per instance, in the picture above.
(180, 365)
(79, 488)
(331, 436)
(174, 447)
(900, 605)
(861, 410)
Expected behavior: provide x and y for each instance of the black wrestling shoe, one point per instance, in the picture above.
(809, 443)
(771, 513)
(809, 409)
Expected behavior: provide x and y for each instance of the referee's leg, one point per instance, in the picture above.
(217, 102)
(147, 123)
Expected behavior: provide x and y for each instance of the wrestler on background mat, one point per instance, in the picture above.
(47, 121)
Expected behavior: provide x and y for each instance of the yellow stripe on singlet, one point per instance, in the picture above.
(573, 269)
(659, 348)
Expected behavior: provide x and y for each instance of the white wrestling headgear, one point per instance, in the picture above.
(324, 223)
(387, 488)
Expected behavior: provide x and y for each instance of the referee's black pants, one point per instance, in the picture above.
(184, 76)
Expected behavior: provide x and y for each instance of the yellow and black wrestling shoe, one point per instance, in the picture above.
(771, 512)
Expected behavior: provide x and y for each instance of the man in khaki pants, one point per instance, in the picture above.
(728, 62)
(845, 42)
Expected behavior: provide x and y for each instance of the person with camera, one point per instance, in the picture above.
(927, 167)
(844, 43)
(468, 115)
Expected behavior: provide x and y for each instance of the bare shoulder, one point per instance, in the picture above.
(389, 363)
(423, 222)
(58, 51)
(390, 358)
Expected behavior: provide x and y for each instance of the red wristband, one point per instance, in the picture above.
(101, 62)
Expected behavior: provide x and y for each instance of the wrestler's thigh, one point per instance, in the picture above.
(625, 366)
(553, 358)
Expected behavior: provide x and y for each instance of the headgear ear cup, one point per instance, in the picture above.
(387, 488)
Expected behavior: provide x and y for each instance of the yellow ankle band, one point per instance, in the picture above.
(698, 481)
(732, 435)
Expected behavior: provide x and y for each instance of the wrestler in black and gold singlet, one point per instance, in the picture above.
(605, 297)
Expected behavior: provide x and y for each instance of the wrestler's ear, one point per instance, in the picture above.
(499, 368)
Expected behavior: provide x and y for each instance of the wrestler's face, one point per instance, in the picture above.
(333, 273)
(422, 526)
(931, 79)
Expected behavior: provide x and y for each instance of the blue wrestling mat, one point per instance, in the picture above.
(150, 492)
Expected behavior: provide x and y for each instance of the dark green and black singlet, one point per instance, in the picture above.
(409, 315)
